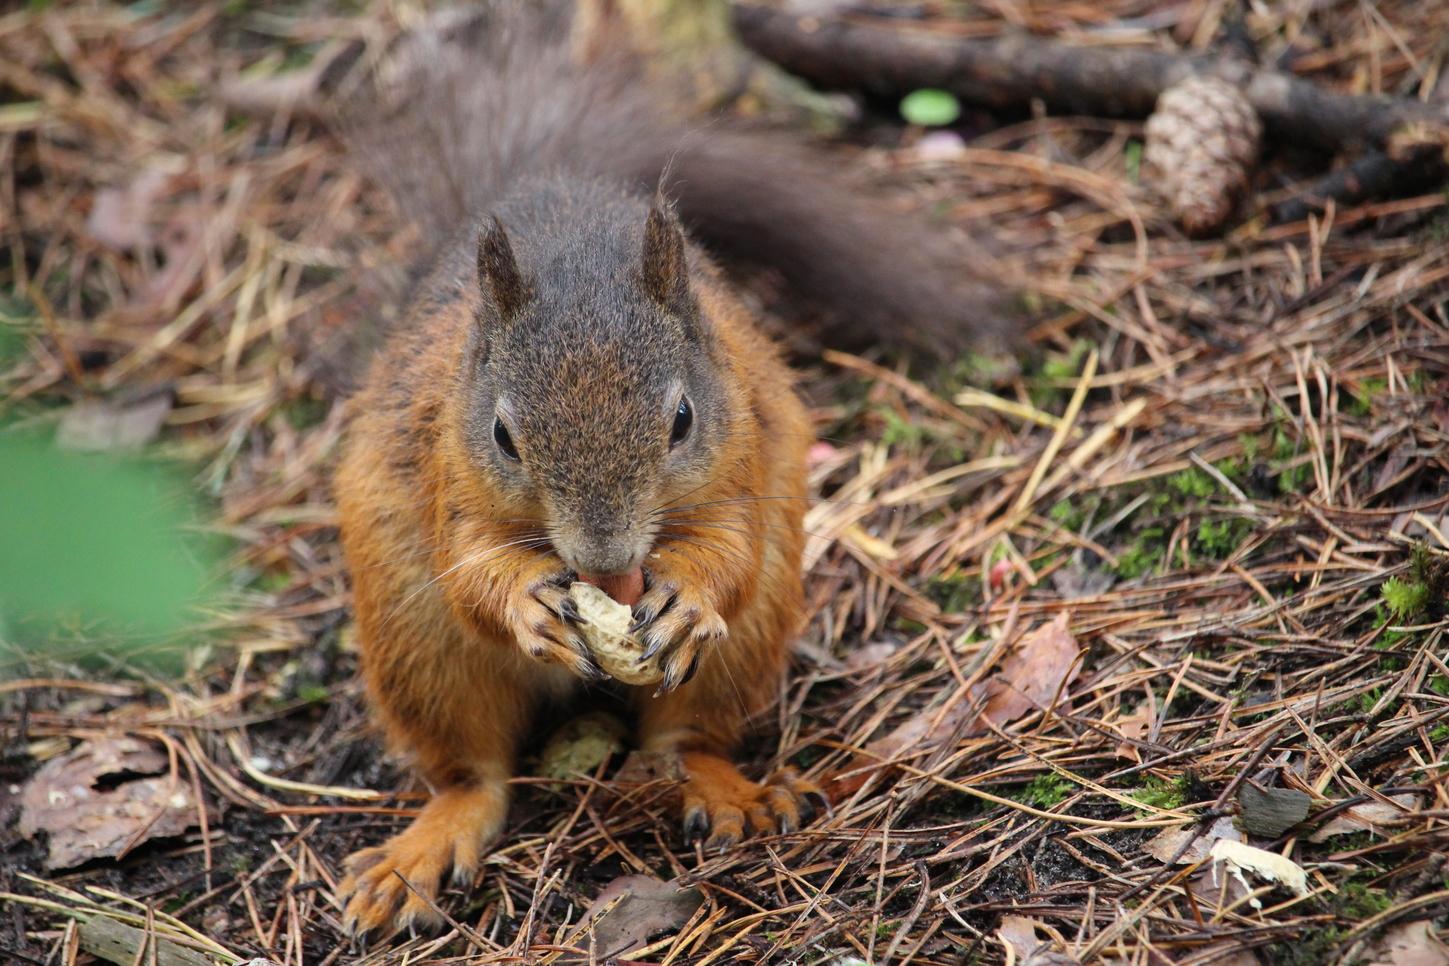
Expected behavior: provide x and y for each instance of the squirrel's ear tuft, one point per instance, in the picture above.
(664, 272)
(498, 273)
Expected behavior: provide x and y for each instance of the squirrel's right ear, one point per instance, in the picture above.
(664, 271)
(498, 273)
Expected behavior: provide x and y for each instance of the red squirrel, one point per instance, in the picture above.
(575, 389)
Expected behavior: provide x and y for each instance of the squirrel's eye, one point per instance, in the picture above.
(504, 441)
(683, 420)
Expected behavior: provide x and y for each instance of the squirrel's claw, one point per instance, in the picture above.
(544, 628)
(396, 885)
(721, 806)
(679, 623)
(569, 611)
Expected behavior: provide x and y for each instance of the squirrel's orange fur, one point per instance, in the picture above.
(437, 605)
(515, 431)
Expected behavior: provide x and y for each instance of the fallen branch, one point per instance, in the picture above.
(1013, 70)
(1374, 174)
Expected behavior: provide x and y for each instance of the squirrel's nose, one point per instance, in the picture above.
(606, 555)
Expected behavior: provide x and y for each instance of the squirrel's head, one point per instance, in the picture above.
(595, 397)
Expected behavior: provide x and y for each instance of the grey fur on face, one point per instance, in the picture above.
(588, 341)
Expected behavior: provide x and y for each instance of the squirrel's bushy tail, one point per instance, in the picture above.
(457, 112)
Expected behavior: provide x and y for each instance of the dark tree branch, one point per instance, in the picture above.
(1010, 71)
(1371, 175)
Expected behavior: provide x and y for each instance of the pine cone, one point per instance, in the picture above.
(1202, 143)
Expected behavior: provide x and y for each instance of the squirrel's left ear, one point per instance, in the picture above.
(498, 272)
(664, 272)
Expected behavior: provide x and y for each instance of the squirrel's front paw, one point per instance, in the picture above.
(676, 619)
(396, 883)
(544, 622)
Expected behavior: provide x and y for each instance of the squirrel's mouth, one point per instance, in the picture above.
(610, 559)
(626, 588)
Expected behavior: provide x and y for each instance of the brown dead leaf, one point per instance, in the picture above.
(645, 767)
(113, 425)
(1392, 466)
(1227, 953)
(85, 820)
(120, 218)
(870, 656)
(1368, 817)
(1019, 933)
(633, 908)
(1164, 847)
(1214, 890)
(1034, 673)
(1409, 944)
(183, 243)
(1134, 727)
(1076, 579)
(932, 723)
(1269, 812)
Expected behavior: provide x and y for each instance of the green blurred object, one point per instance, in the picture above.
(99, 554)
(930, 108)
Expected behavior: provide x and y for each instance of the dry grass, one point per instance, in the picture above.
(1215, 455)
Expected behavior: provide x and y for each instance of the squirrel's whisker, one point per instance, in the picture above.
(515, 546)
(681, 496)
(729, 553)
(740, 528)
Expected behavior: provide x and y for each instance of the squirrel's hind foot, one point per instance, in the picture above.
(725, 805)
(396, 884)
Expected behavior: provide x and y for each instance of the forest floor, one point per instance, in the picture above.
(1208, 509)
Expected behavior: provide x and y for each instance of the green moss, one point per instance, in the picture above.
(1364, 395)
(1432, 571)
(954, 593)
(1405, 599)
(1193, 483)
(313, 693)
(975, 369)
(1369, 700)
(1388, 638)
(18, 318)
(1057, 367)
(1144, 554)
(807, 756)
(1162, 793)
(305, 412)
(1064, 514)
(1357, 902)
(1045, 791)
(102, 554)
(1312, 948)
(1219, 538)
(1066, 365)
(1132, 156)
(272, 581)
(1292, 476)
(900, 431)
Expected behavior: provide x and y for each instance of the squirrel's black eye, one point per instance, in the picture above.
(683, 420)
(504, 441)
